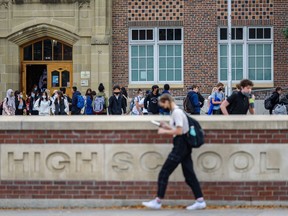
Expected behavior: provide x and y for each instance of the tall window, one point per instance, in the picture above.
(252, 54)
(156, 55)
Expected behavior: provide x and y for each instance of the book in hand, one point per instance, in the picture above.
(155, 123)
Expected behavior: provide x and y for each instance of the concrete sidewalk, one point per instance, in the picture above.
(146, 212)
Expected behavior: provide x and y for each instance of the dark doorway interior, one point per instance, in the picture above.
(33, 74)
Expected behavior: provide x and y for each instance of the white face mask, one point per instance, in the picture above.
(20, 96)
(44, 97)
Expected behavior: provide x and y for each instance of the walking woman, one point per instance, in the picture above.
(180, 154)
(43, 105)
(60, 105)
(89, 101)
(19, 103)
(9, 106)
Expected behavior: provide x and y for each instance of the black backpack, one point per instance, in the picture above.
(268, 103)
(188, 106)
(201, 100)
(195, 135)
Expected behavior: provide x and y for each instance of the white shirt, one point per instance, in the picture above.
(141, 103)
(134, 110)
(179, 119)
(44, 108)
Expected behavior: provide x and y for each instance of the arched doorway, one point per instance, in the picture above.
(46, 60)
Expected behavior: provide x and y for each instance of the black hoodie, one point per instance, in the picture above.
(153, 103)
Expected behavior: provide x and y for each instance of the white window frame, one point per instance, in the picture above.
(246, 41)
(156, 44)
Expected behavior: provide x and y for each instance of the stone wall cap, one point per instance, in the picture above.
(247, 122)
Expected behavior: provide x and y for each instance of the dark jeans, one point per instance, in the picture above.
(181, 154)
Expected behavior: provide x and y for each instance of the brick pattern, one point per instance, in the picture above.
(156, 10)
(246, 10)
(228, 191)
(135, 137)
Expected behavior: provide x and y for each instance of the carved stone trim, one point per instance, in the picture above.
(4, 4)
(50, 1)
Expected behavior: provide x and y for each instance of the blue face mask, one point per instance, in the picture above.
(32, 95)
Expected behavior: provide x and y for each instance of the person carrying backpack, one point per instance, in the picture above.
(100, 103)
(135, 103)
(60, 105)
(78, 102)
(117, 104)
(151, 101)
(191, 102)
(181, 154)
(43, 105)
(273, 100)
(88, 102)
(217, 98)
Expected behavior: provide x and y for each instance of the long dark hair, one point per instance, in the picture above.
(41, 98)
(60, 97)
(124, 92)
(89, 94)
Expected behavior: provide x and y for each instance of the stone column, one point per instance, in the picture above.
(101, 51)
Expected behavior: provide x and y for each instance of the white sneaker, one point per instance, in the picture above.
(197, 206)
(153, 204)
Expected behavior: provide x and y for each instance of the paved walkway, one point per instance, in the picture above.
(144, 212)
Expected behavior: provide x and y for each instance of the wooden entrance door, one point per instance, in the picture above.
(60, 75)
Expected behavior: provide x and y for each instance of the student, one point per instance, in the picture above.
(60, 105)
(141, 103)
(194, 100)
(165, 91)
(20, 103)
(181, 154)
(69, 99)
(32, 100)
(137, 110)
(152, 100)
(238, 103)
(100, 103)
(217, 98)
(275, 98)
(209, 104)
(116, 102)
(124, 94)
(43, 105)
(74, 108)
(89, 102)
(9, 106)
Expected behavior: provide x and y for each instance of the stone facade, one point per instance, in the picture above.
(84, 24)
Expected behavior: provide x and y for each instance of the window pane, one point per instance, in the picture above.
(162, 50)
(170, 62)
(178, 75)
(149, 34)
(162, 34)
(170, 34)
(252, 62)
(142, 50)
(267, 62)
(259, 62)
(134, 51)
(135, 34)
(38, 50)
(259, 74)
(134, 63)
(239, 62)
(142, 63)
(252, 74)
(67, 52)
(170, 50)
(150, 63)
(143, 75)
(233, 34)
(162, 63)
(178, 34)
(150, 75)
(239, 74)
(55, 79)
(260, 33)
(150, 51)
(252, 50)
(223, 50)
(223, 34)
(162, 75)
(267, 33)
(28, 53)
(57, 51)
(65, 79)
(267, 74)
(170, 75)
(233, 62)
(223, 62)
(252, 34)
(135, 75)
(239, 50)
(178, 62)
(267, 49)
(47, 50)
(142, 34)
(239, 33)
(223, 74)
(233, 74)
(259, 49)
(178, 50)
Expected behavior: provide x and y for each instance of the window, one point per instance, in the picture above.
(252, 54)
(156, 55)
(47, 50)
